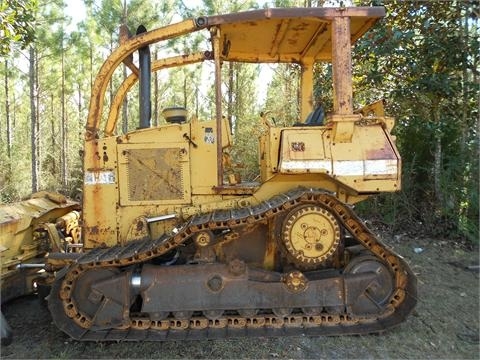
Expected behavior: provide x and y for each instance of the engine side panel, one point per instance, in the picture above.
(368, 163)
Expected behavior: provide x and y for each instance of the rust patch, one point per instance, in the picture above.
(155, 166)
(381, 153)
(96, 230)
(92, 230)
(300, 27)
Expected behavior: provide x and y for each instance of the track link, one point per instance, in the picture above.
(78, 325)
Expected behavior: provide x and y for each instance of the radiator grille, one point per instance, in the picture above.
(154, 174)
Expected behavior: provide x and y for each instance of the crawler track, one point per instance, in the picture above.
(78, 325)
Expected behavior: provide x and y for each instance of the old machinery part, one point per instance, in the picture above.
(6, 333)
(120, 293)
(175, 245)
(295, 281)
(237, 267)
(160, 218)
(175, 115)
(203, 238)
(29, 266)
(213, 314)
(69, 224)
(379, 290)
(311, 235)
(145, 67)
(85, 295)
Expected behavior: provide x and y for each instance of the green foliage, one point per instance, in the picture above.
(284, 86)
(17, 19)
(423, 60)
(323, 91)
(245, 149)
(244, 117)
(14, 185)
(212, 7)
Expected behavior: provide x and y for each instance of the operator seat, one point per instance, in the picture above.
(315, 118)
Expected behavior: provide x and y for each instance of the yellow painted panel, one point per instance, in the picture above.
(154, 173)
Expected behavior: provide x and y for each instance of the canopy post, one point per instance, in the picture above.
(306, 90)
(343, 117)
(215, 34)
(342, 66)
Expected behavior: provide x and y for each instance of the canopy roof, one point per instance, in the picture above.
(291, 35)
(288, 34)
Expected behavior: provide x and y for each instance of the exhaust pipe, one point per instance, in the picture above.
(145, 86)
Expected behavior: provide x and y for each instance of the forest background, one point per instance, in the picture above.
(422, 59)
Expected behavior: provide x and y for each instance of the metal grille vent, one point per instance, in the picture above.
(154, 174)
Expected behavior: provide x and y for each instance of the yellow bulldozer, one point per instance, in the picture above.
(173, 245)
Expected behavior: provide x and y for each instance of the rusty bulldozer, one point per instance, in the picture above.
(171, 247)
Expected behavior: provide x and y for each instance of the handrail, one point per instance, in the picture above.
(117, 56)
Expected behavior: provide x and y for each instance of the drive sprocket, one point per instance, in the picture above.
(311, 235)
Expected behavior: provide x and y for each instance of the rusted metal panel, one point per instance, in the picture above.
(342, 67)
(305, 151)
(100, 190)
(154, 174)
(290, 35)
(217, 51)
(370, 155)
(217, 287)
(23, 240)
(212, 287)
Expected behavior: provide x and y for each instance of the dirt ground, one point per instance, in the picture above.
(445, 324)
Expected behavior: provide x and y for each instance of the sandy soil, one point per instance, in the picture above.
(445, 324)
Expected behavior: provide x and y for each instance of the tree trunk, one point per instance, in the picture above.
(80, 122)
(472, 212)
(185, 93)
(7, 116)
(110, 86)
(33, 119)
(239, 92)
(288, 91)
(197, 102)
(437, 164)
(64, 169)
(230, 98)
(14, 118)
(91, 67)
(53, 138)
(125, 105)
(464, 125)
(37, 122)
